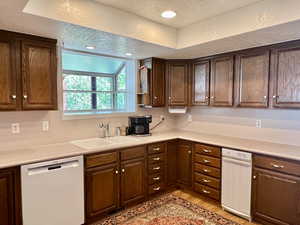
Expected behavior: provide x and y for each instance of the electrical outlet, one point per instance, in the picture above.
(258, 124)
(45, 125)
(190, 118)
(162, 117)
(15, 128)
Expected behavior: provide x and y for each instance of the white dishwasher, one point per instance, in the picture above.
(236, 182)
(53, 192)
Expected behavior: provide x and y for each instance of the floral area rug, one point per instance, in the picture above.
(166, 210)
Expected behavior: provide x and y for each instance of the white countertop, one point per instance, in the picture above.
(60, 150)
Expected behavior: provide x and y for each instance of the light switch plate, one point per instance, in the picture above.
(15, 128)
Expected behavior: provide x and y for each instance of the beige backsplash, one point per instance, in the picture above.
(280, 126)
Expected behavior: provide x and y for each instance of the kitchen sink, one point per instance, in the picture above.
(94, 143)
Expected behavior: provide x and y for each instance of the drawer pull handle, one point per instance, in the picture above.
(156, 178)
(206, 181)
(156, 159)
(14, 97)
(277, 166)
(123, 170)
(206, 171)
(156, 168)
(117, 172)
(156, 189)
(206, 161)
(206, 151)
(156, 149)
(205, 191)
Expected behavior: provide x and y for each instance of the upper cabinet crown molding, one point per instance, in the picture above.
(222, 81)
(285, 72)
(28, 72)
(252, 79)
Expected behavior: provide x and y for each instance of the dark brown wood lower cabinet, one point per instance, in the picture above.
(102, 190)
(133, 181)
(10, 192)
(172, 163)
(184, 163)
(276, 198)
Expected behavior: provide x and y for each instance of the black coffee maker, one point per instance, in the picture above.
(139, 125)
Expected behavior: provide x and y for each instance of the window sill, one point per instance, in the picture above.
(89, 115)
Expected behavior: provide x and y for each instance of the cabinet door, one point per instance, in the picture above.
(286, 77)
(276, 198)
(178, 84)
(200, 83)
(171, 162)
(221, 91)
(8, 77)
(158, 83)
(9, 197)
(39, 74)
(132, 181)
(102, 190)
(184, 163)
(252, 79)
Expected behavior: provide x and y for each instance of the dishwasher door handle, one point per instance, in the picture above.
(52, 167)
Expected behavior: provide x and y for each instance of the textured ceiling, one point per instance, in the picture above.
(188, 11)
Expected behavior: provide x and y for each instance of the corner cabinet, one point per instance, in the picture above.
(28, 72)
(178, 73)
(285, 74)
(200, 83)
(157, 82)
(222, 81)
(10, 197)
(252, 79)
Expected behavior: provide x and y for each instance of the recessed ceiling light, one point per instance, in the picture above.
(128, 54)
(91, 47)
(169, 14)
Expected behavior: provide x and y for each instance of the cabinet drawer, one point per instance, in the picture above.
(156, 168)
(156, 148)
(207, 170)
(156, 188)
(208, 150)
(206, 180)
(155, 178)
(156, 158)
(207, 191)
(133, 153)
(101, 159)
(280, 165)
(207, 160)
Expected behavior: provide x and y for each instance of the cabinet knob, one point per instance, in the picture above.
(25, 96)
(212, 97)
(275, 96)
(206, 97)
(265, 97)
(155, 97)
(169, 98)
(254, 177)
(190, 152)
(123, 170)
(13, 96)
(117, 172)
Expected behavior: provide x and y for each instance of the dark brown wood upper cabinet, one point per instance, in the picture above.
(285, 72)
(222, 81)
(10, 192)
(8, 76)
(200, 83)
(133, 181)
(178, 83)
(252, 79)
(38, 73)
(28, 72)
(184, 163)
(98, 203)
(276, 198)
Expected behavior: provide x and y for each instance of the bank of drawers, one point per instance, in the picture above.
(207, 170)
(156, 167)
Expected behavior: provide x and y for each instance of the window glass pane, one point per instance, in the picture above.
(104, 101)
(120, 100)
(77, 101)
(121, 80)
(75, 82)
(104, 83)
(90, 63)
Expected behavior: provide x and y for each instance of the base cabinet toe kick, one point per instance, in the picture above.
(117, 179)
